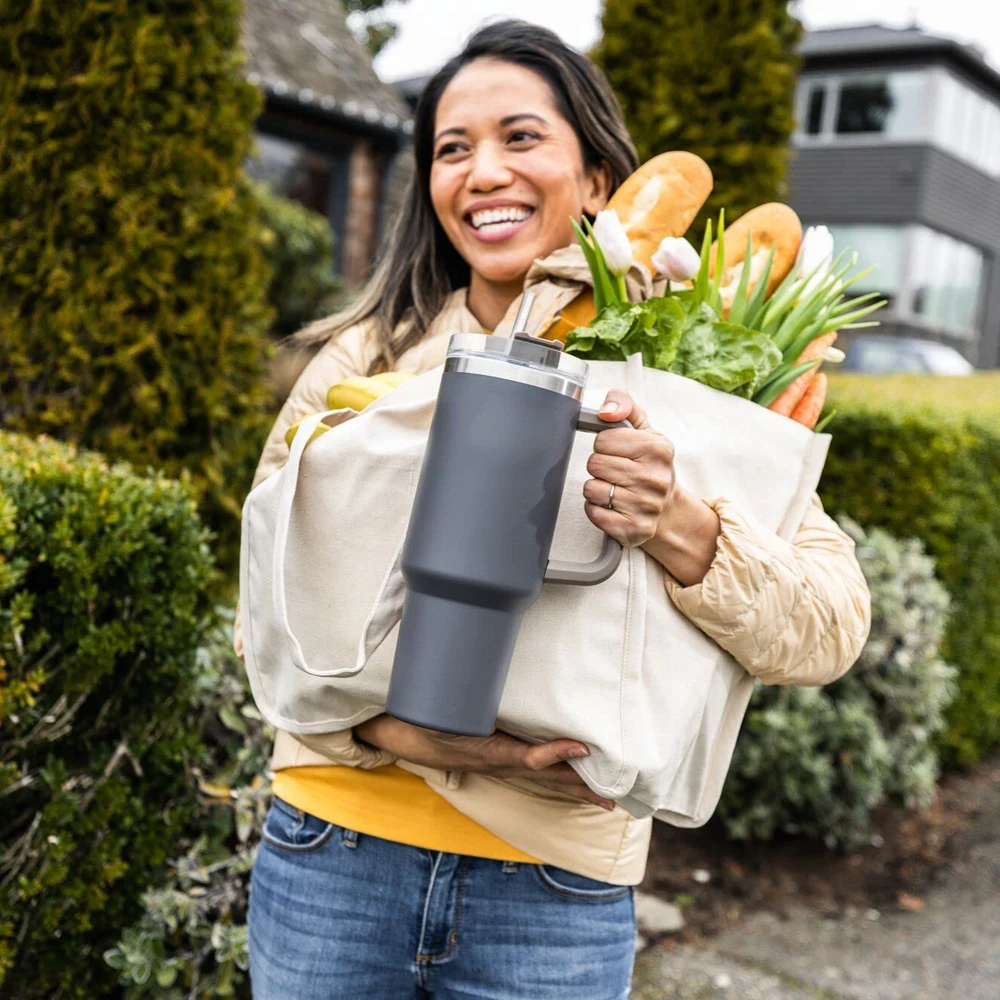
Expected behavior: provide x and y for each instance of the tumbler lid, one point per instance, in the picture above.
(522, 351)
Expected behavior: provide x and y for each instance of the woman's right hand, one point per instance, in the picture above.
(498, 754)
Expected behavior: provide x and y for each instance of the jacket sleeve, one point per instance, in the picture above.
(348, 355)
(790, 612)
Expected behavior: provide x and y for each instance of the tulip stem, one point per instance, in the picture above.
(620, 288)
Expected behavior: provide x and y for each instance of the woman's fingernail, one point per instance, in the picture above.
(607, 805)
(610, 409)
(578, 751)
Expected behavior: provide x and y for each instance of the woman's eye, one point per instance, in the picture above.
(521, 136)
(448, 149)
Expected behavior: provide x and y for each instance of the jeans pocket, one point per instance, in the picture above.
(287, 828)
(561, 882)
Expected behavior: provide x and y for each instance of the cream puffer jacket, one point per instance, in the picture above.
(789, 613)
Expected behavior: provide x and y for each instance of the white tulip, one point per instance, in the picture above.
(676, 259)
(611, 238)
(815, 252)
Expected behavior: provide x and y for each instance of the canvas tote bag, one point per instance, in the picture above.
(615, 665)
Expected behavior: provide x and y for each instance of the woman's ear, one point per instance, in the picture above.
(597, 188)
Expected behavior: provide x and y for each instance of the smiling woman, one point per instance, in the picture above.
(399, 862)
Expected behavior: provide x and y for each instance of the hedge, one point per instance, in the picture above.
(920, 457)
(104, 579)
(816, 761)
(133, 309)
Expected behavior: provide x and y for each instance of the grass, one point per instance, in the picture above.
(974, 396)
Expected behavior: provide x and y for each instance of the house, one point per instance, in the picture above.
(897, 149)
(330, 131)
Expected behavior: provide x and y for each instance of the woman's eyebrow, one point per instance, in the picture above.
(504, 123)
(511, 119)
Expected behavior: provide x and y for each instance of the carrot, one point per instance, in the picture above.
(811, 406)
(786, 402)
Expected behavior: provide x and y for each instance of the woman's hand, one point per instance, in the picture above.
(648, 507)
(499, 755)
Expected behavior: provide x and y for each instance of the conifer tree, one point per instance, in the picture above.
(132, 299)
(715, 77)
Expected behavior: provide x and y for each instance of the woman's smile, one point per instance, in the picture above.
(498, 219)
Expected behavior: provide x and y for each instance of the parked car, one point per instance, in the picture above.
(880, 354)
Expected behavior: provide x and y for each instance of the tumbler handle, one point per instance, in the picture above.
(605, 565)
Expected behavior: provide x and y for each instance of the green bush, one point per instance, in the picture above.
(132, 306)
(298, 245)
(103, 600)
(192, 935)
(715, 79)
(908, 460)
(814, 761)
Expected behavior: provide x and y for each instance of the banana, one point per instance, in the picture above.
(355, 393)
(290, 433)
(394, 379)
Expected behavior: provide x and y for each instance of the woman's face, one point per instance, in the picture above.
(507, 173)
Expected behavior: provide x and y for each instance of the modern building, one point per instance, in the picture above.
(897, 149)
(330, 129)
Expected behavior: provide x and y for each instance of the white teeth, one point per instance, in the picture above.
(496, 216)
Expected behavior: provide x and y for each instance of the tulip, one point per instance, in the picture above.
(676, 259)
(816, 252)
(611, 238)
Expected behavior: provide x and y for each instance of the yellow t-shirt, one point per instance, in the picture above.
(393, 804)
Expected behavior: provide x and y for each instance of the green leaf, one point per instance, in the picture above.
(725, 356)
(781, 380)
(821, 426)
(738, 309)
(756, 303)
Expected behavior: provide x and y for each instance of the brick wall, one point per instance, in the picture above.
(361, 218)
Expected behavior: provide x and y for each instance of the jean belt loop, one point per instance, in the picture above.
(350, 838)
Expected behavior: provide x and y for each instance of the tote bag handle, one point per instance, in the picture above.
(286, 497)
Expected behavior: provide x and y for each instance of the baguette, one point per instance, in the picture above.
(772, 225)
(660, 199)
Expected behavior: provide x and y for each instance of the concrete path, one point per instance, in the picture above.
(949, 950)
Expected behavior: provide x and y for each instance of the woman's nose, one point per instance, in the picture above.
(489, 169)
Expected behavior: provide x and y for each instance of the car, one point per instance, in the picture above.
(875, 354)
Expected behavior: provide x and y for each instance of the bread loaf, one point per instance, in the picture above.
(771, 225)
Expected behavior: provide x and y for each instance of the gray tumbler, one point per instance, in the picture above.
(477, 547)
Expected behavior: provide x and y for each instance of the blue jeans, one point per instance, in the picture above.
(335, 915)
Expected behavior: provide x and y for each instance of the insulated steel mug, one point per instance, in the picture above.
(477, 547)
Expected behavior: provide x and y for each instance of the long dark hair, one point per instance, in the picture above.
(420, 267)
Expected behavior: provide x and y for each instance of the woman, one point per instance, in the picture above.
(485, 867)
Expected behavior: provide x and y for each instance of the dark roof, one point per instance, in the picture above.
(872, 42)
(303, 51)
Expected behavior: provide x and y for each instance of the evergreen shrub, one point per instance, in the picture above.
(104, 578)
(298, 245)
(920, 457)
(816, 761)
(133, 314)
(714, 79)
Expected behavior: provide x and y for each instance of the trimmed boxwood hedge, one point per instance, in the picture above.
(104, 578)
(920, 457)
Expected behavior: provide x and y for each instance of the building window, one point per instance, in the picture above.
(967, 124)
(894, 105)
(881, 247)
(814, 110)
(296, 171)
(947, 281)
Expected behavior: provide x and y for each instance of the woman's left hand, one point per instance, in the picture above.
(639, 462)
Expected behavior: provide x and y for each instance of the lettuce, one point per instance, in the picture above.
(680, 334)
